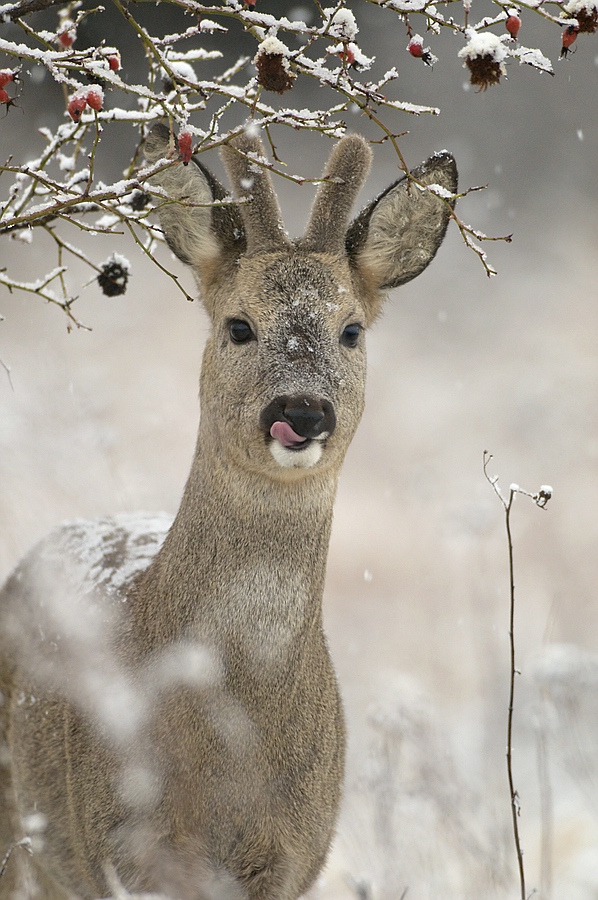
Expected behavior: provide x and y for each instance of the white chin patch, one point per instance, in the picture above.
(296, 459)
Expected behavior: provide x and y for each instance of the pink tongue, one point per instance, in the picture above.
(283, 432)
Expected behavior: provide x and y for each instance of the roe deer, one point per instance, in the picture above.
(170, 713)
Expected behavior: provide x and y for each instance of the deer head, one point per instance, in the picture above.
(283, 379)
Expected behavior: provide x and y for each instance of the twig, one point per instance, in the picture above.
(36, 198)
(38, 288)
(26, 7)
(8, 373)
(515, 806)
(25, 843)
(540, 498)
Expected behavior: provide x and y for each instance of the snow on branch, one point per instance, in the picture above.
(62, 189)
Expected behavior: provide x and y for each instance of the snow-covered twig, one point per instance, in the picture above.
(174, 91)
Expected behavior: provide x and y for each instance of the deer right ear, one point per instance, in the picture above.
(202, 235)
(396, 237)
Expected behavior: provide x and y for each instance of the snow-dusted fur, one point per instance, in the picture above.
(170, 715)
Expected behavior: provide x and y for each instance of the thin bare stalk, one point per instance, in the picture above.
(540, 498)
(9, 376)
(546, 808)
(515, 804)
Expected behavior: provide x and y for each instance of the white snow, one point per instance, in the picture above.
(196, 55)
(92, 542)
(580, 6)
(438, 190)
(183, 69)
(361, 60)
(273, 47)
(485, 44)
(106, 221)
(25, 235)
(341, 24)
(87, 89)
(65, 163)
(532, 57)
(122, 261)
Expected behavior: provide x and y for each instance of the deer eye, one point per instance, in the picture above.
(350, 335)
(240, 332)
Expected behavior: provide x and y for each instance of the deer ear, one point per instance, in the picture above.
(201, 235)
(394, 238)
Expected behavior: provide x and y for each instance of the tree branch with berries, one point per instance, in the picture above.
(62, 189)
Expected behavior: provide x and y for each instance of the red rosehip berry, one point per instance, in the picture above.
(513, 24)
(415, 49)
(95, 100)
(114, 62)
(76, 107)
(569, 37)
(347, 55)
(4, 98)
(185, 142)
(6, 76)
(66, 39)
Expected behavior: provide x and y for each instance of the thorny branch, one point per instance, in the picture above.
(540, 498)
(61, 188)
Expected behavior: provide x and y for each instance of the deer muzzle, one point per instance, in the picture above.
(292, 424)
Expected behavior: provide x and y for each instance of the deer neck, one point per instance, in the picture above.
(244, 562)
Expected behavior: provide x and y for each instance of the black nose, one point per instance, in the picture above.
(307, 416)
(304, 421)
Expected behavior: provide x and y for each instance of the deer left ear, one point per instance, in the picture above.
(394, 238)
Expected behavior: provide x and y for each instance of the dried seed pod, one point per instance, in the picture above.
(139, 200)
(114, 276)
(586, 13)
(273, 68)
(484, 56)
(587, 21)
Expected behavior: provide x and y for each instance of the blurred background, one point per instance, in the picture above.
(417, 596)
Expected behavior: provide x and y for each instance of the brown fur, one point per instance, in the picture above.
(170, 711)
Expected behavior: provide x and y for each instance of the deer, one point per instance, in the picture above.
(170, 719)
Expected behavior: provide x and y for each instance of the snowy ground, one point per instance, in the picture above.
(417, 592)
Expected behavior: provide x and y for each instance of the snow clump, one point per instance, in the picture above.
(341, 24)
